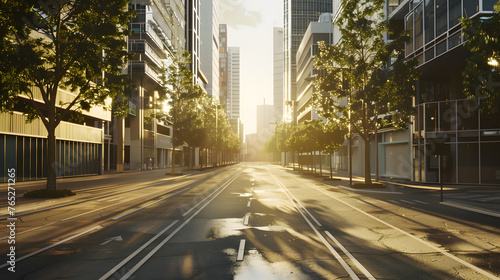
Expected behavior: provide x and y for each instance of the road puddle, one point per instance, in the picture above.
(254, 266)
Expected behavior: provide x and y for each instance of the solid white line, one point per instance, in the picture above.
(440, 250)
(325, 242)
(241, 250)
(53, 245)
(409, 202)
(152, 203)
(421, 202)
(122, 263)
(86, 200)
(353, 259)
(476, 210)
(245, 220)
(248, 204)
(394, 201)
(298, 202)
(158, 247)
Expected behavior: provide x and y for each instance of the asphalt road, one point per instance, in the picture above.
(247, 221)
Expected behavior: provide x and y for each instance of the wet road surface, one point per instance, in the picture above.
(252, 221)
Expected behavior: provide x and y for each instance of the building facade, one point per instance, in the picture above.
(147, 143)
(448, 126)
(223, 66)
(297, 16)
(192, 35)
(278, 93)
(233, 83)
(316, 32)
(209, 58)
(79, 147)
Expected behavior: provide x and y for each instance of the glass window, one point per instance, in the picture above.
(455, 12)
(441, 17)
(429, 20)
(429, 54)
(468, 163)
(441, 48)
(20, 157)
(409, 27)
(455, 40)
(467, 111)
(448, 163)
(27, 160)
(490, 119)
(490, 163)
(3, 170)
(419, 24)
(448, 116)
(431, 117)
(488, 4)
(470, 7)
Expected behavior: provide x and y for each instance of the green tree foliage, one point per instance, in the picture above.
(482, 71)
(181, 95)
(353, 83)
(60, 44)
(314, 135)
(276, 142)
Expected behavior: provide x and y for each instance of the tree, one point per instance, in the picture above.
(354, 83)
(61, 44)
(306, 137)
(482, 71)
(179, 91)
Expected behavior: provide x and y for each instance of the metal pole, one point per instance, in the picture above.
(440, 178)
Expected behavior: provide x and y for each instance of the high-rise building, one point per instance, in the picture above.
(297, 16)
(264, 120)
(233, 85)
(193, 42)
(316, 32)
(152, 41)
(209, 34)
(278, 93)
(223, 66)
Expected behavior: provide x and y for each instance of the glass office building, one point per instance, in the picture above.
(447, 124)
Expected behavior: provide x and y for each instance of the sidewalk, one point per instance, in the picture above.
(85, 187)
(475, 198)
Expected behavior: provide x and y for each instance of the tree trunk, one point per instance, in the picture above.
(320, 165)
(51, 158)
(368, 178)
(331, 166)
(376, 153)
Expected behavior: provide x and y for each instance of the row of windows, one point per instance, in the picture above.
(28, 155)
(432, 18)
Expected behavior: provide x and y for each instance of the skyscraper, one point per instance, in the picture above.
(193, 35)
(233, 85)
(223, 65)
(278, 73)
(209, 55)
(298, 14)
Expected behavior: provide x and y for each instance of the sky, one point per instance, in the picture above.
(250, 27)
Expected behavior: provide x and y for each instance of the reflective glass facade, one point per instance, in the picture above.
(448, 128)
(434, 25)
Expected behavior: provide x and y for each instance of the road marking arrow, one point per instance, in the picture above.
(116, 238)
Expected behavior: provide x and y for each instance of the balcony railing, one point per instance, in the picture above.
(152, 30)
(143, 67)
(141, 46)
